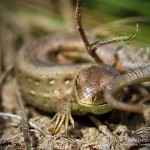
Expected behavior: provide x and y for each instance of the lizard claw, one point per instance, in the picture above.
(59, 119)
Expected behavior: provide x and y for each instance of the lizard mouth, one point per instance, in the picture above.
(91, 104)
(91, 101)
(96, 109)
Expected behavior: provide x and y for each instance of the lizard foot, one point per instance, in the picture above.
(60, 119)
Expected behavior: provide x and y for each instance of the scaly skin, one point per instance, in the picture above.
(49, 85)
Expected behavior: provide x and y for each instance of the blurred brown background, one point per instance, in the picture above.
(23, 20)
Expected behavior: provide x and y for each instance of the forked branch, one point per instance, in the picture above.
(79, 25)
(91, 48)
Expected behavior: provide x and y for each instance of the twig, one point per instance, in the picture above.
(91, 48)
(0, 60)
(94, 46)
(5, 74)
(7, 140)
(79, 25)
(19, 118)
(25, 125)
(105, 131)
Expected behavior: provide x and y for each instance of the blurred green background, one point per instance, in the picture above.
(35, 17)
(23, 20)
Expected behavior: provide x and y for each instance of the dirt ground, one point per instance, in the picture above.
(84, 136)
(128, 130)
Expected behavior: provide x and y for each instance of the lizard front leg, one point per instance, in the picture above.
(63, 116)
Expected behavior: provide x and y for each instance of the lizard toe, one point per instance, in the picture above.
(60, 119)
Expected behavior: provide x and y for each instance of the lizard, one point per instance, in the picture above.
(51, 85)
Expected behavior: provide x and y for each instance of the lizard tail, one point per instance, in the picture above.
(141, 74)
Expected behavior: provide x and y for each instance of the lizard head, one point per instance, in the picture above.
(90, 85)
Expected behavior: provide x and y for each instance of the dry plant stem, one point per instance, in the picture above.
(25, 124)
(102, 128)
(99, 125)
(91, 48)
(7, 140)
(0, 60)
(94, 46)
(19, 118)
(96, 122)
(5, 74)
(138, 75)
(79, 25)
